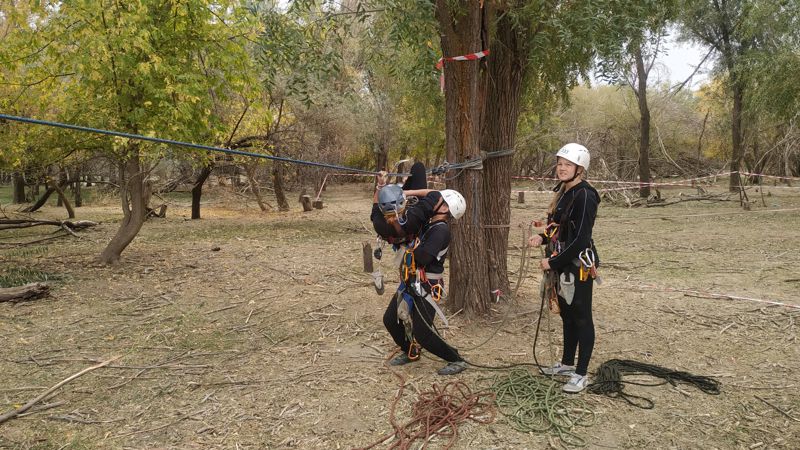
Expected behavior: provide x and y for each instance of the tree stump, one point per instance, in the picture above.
(521, 197)
(317, 204)
(29, 291)
(305, 200)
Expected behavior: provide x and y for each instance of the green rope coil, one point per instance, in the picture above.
(536, 404)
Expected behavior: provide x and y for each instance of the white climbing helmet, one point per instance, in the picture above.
(575, 153)
(455, 202)
(391, 199)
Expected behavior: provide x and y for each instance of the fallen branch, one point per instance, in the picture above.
(12, 414)
(778, 409)
(28, 291)
(725, 197)
(10, 224)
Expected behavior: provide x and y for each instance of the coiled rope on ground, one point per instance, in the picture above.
(608, 380)
(536, 404)
(438, 413)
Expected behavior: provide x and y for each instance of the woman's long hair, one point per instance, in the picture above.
(560, 192)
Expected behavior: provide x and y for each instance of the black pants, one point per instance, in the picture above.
(422, 329)
(578, 326)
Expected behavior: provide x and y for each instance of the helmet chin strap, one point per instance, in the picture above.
(438, 207)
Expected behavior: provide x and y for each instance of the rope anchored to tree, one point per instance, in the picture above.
(476, 163)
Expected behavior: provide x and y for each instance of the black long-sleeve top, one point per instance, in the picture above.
(575, 214)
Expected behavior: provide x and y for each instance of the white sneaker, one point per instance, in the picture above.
(559, 369)
(576, 383)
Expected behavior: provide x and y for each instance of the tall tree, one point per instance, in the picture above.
(538, 50)
(740, 32)
(139, 68)
(634, 64)
(460, 25)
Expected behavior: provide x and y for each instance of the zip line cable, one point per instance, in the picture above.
(188, 144)
(476, 163)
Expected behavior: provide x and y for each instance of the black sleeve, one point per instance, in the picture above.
(419, 215)
(435, 240)
(584, 210)
(418, 178)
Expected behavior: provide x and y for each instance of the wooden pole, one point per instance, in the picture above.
(305, 200)
(367, 253)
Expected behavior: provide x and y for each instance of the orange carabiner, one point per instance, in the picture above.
(551, 230)
(436, 292)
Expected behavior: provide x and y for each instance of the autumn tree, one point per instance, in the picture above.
(138, 67)
(743, 35)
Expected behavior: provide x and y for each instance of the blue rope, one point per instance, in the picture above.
(187, 144)
(472, 164)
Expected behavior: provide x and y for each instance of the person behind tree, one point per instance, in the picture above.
(573, 256)
(421, 233)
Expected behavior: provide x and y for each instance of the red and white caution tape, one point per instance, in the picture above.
(751, 174)
(471, 57)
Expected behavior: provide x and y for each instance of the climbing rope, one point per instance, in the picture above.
(608, 380)
(437, 413)
(535, 404)
(476, 163)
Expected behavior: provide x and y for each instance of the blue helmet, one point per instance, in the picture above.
(391, 199)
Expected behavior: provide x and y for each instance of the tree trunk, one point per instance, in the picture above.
(250, 172)
(277, 184)
(197, 189)
(41, 201)
(460, 30)
(133, 207)
(736, 131)
(77, 190)
(18, 188)
(501, 108)
(644, 126)
(381, 156)
(63, 199)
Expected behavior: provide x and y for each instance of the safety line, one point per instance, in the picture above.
(188, 144)
(676, 216)
(476, 163)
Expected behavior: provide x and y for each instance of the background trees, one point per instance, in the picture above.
(355, 83)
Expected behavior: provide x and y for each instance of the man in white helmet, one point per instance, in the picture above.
(409, 317)
(572, 254)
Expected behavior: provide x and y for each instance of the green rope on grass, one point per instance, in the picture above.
(536, 404)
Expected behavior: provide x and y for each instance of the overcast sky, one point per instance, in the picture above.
(681, 59)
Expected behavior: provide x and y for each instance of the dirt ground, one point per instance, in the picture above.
(250, 330)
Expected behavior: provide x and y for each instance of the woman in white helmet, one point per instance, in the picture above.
(568, 235)
(409, 317)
